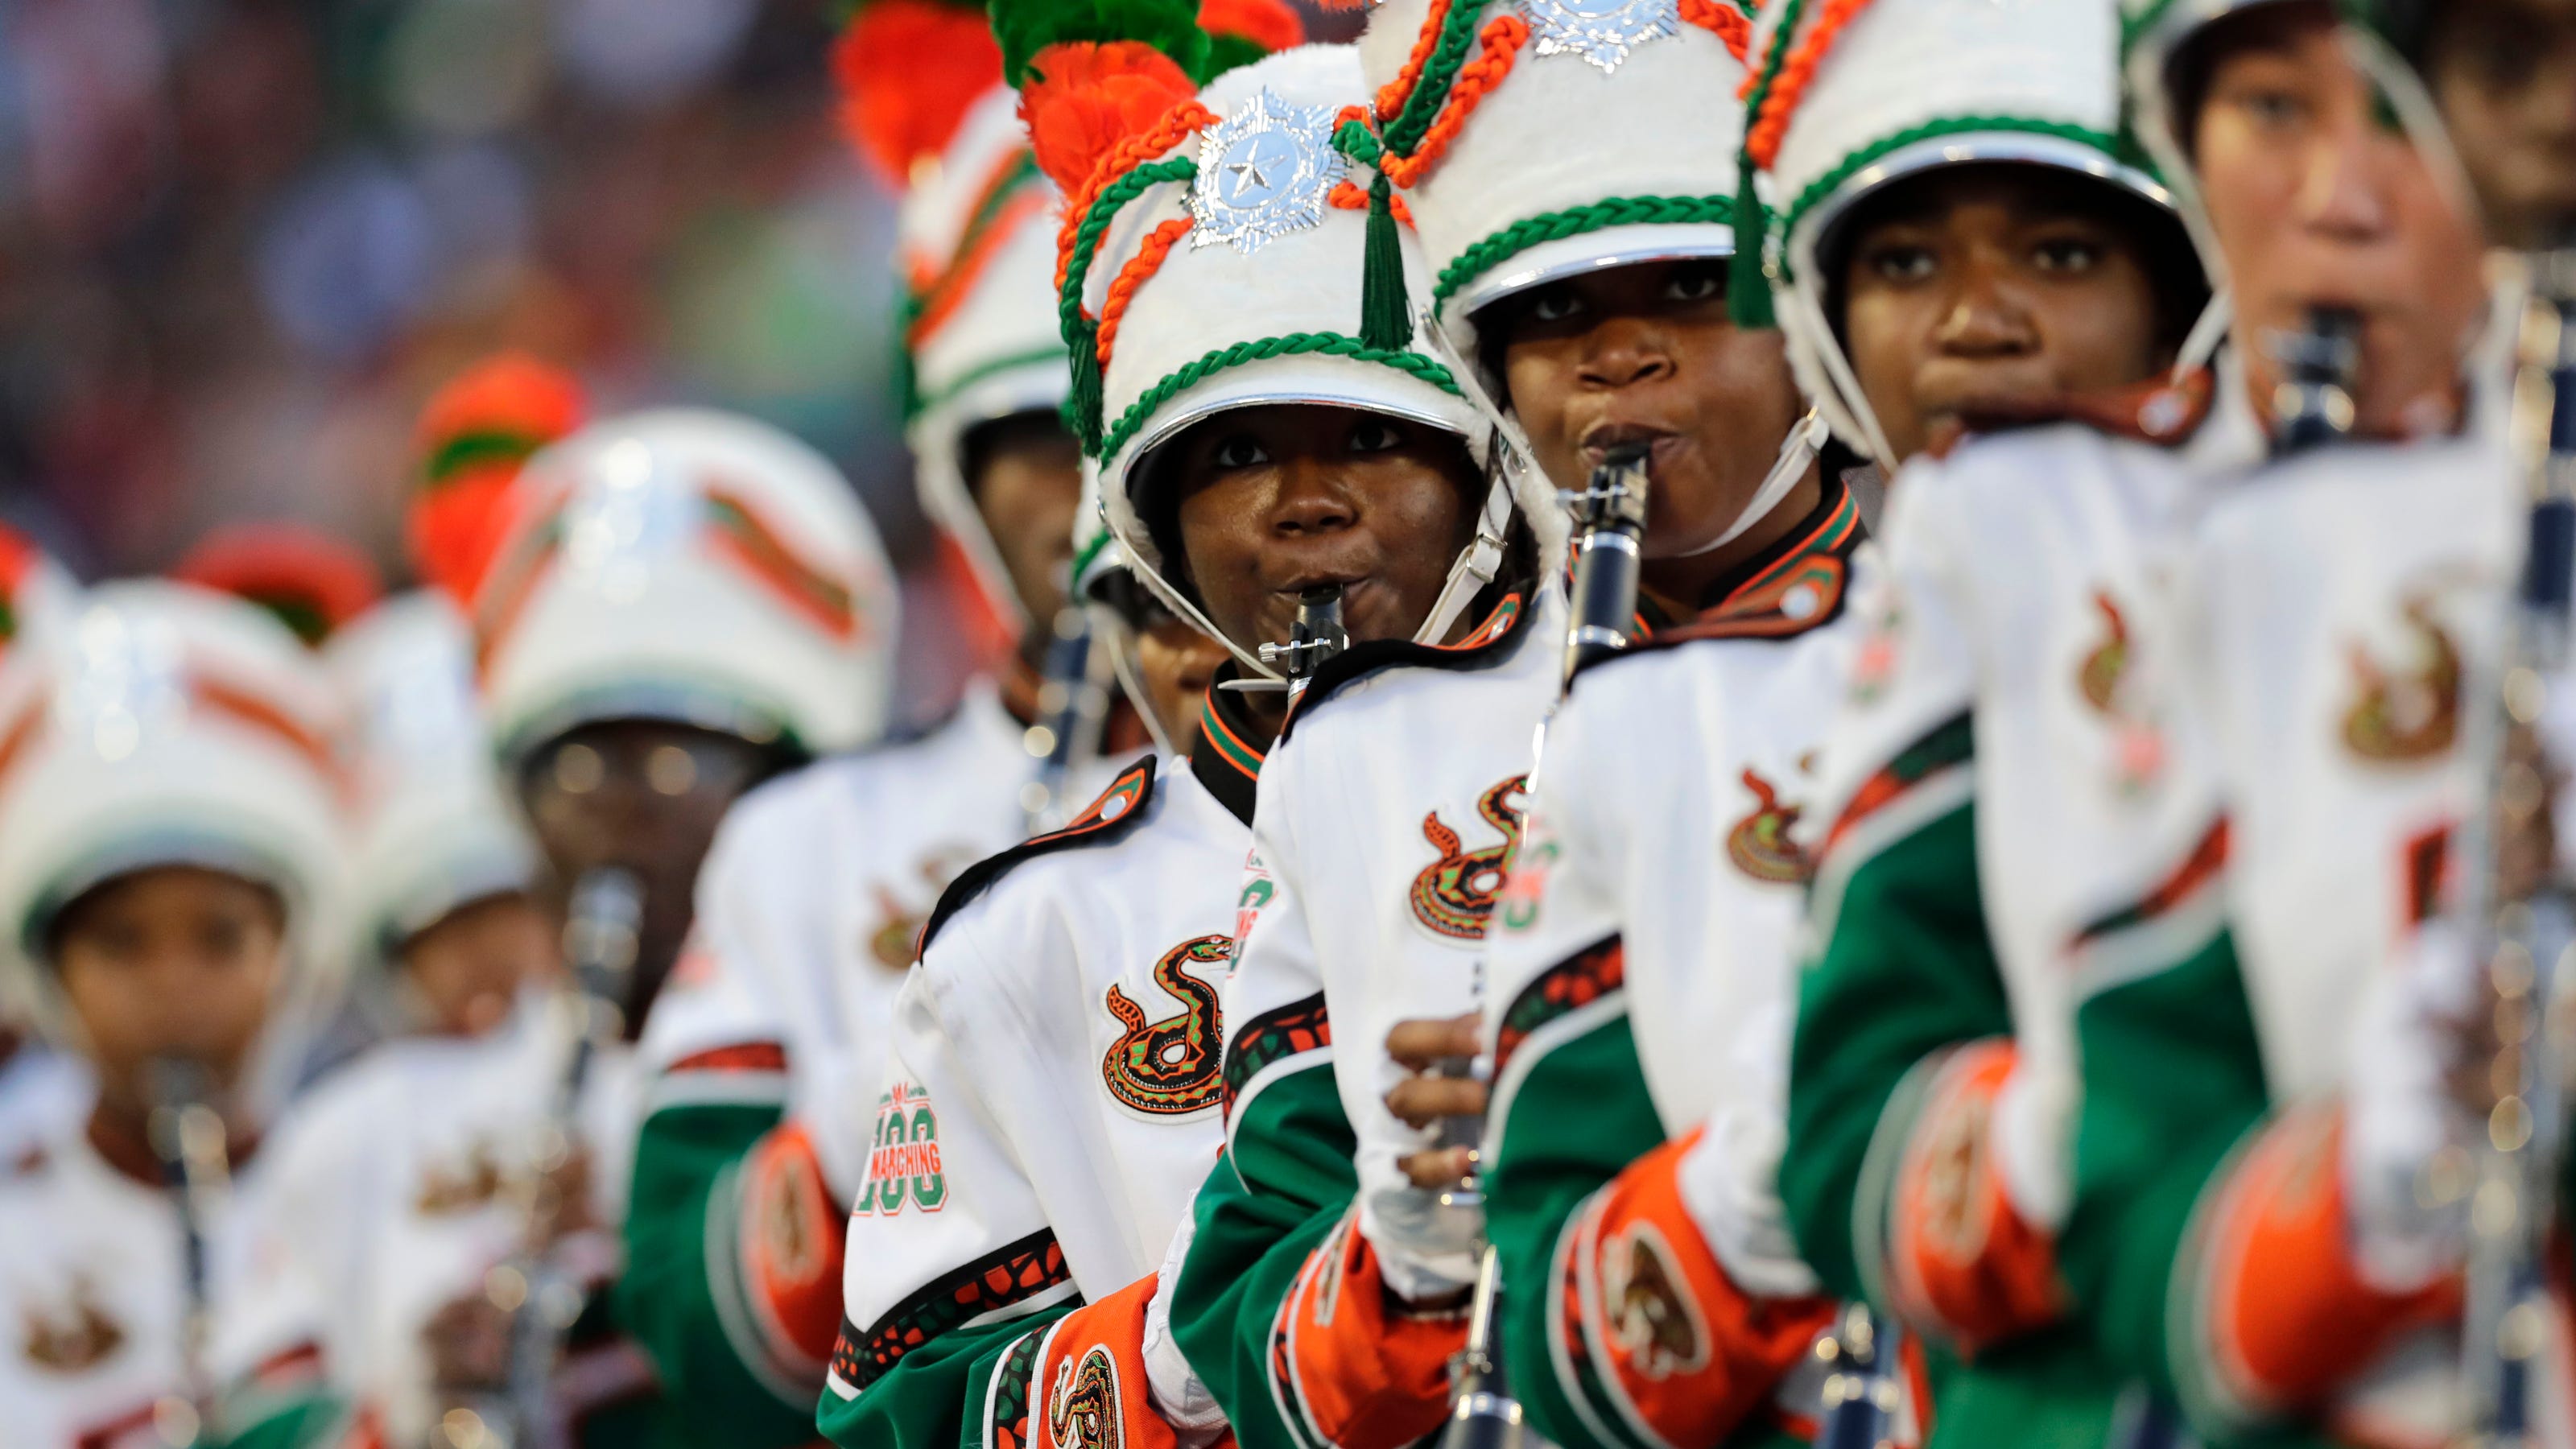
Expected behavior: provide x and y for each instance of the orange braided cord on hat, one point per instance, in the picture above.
(1350, 196)
(1723, 21)
(998, 219)
(1500, 44)
(1780, 101)
(1392, 96)
(1177, 125)
(1147, 261)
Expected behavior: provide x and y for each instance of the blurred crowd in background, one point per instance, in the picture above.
(241, 240)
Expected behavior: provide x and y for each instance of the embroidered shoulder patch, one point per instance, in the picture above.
(903, 1157)
(1106, 819)
(1454, 895)
(1174, 1066)
(73, 1339)
(1083, 1411)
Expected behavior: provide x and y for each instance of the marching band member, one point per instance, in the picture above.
(44, 1089)
(768, 1050)
(1989, 772)
(681, 603)
(2270, 1218)
(170, 862)
(1692, 1301)
(1236, 487)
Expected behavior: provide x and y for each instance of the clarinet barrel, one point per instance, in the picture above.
(2525, 920)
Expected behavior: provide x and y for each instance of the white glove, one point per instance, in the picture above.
(2407, 1141)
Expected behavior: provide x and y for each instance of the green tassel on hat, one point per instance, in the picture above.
(1386, 314)
(1748, 286)
(1083, 405)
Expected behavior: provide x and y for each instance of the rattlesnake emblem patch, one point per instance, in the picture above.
(2404, 715)
(1652, 1317)
(74, 1339)
(1082, 1407)
(1174, 1066)
(2098, 677)
(1760, 844)
(1454, 895)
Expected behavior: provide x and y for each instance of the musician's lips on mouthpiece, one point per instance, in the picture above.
(1366, 603)
(1608, 436)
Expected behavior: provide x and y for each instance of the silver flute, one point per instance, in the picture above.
(188, 1136)
(2525, 919)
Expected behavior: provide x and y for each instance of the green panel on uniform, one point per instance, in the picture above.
(666, 1299)
(933, 1395)
(1581, 1114)
(1908, 971)
(304, 1421)
(1257, 1220)
(2173, 1079)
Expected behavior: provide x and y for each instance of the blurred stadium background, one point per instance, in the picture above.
(242, 240)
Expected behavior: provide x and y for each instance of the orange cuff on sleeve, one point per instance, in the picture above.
(1368, 1372)
(1091, 1386)
(1963, 1262)
(2286, 1314)
(1692, 1354)
(792, 1240)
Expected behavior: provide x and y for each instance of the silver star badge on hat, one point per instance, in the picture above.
(1601, 31)
(1265, 171)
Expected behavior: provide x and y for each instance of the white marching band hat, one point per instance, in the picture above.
(435, 831)
(1226, 270)
(690, 566)
(1835, 114)
(168, 725)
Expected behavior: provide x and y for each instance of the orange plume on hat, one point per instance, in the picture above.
(907, 72)
(311, 581)
(1269, 25)
(1085, 97)
(474, 436)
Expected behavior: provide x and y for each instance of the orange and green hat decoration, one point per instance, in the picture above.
(474, 436)
(311, 581)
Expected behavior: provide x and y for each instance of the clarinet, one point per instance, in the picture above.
(2525, 928)
(1610, 520)
(188, 1135)
(2312, 405)
(602, 930)
(1317, 635)
(1073, 710)
(1610, 514)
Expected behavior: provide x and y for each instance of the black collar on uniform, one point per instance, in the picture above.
(1490, 643)
(1227, 758)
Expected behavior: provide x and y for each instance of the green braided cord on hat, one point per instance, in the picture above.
(1091, 551)
(1328, 344)
(1404, 130)
(468, 450)
(993, 368)
(1870, 155)
(1550, 226)
(1084, 406)
(1025, 27)
(1748, 289)
(1355, 140)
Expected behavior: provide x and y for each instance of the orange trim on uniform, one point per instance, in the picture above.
(2288, 1317)
(1963, 1262)
(793, 1239)
(1694, 1356)
(1368, 1374)
(1090, 1387)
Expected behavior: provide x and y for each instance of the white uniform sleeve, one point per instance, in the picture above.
(292, 1263)
(944, 1199)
